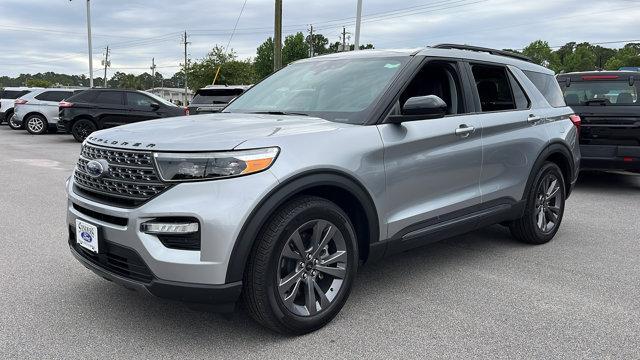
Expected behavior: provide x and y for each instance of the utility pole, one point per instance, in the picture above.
(344, 39)
(153, 72)
(185, 42)
(277, 37)
(311, 50)
(358, 21)
(107, 63)
(90, 49)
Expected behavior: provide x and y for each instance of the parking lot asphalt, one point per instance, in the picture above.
(478, 295)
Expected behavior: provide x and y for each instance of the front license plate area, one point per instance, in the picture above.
(87, 235)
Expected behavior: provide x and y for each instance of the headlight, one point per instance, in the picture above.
(213, 165)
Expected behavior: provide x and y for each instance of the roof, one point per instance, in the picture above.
(243, 87)
(468, 54)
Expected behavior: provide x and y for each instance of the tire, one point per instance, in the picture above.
(13, 125)
(544, 209)
(275, 259)
(36, 124)
(82, 128)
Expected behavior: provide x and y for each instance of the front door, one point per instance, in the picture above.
(433, 165)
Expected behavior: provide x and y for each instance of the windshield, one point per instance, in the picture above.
(600, 92)
(341, 90)
(159, 99)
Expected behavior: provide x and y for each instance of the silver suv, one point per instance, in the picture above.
(38, 110)
(327, 164)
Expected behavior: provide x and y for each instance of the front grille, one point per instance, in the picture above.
(131, 177)
(115, 258)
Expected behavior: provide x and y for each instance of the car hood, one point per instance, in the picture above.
(209, 132)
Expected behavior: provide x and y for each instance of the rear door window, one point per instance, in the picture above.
(109, 98)
(548, 87)
(607, 92)
(494, 88)
(55, 96)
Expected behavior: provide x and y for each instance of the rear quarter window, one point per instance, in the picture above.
(548, 87)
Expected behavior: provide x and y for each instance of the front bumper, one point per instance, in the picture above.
(221, 207)
(63, 126)
(223, 296)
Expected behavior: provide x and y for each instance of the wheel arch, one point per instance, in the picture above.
(559, 154)
(35, 113)
(342, 189)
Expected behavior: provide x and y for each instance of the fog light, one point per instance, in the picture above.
(169, 227)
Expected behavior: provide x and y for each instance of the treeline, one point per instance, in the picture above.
(582, 56)
(234, 71)
(229, 68)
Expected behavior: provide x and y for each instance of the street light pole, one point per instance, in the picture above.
(358, 20)
(89, 37)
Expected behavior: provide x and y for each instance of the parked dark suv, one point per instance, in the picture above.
(214, 98)
(96, 109)
(609, 107)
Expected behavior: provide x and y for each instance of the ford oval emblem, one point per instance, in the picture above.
(86, 236)
(97, 168)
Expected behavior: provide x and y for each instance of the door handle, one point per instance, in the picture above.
(533, 118)
(464, 130)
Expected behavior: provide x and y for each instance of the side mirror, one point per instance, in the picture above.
(155, 106)
(420, 108)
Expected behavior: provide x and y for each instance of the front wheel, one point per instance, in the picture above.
(544, 208)
(36, 124)
(82, 128)
(301, 269)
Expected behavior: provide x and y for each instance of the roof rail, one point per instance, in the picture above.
(482, 49)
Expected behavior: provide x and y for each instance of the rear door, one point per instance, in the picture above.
(512, 138)
(610, 112)
(109, 108)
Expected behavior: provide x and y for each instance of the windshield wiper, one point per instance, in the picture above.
(278, 113)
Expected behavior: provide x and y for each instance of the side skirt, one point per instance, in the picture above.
(447, 226)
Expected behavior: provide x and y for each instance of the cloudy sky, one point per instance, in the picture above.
(50, 35)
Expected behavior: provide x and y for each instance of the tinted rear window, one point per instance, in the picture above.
(54, 95)
(109, 98)
(215, 96)
(83, 96)
(12, 94)
(548, 86)
(609, 92)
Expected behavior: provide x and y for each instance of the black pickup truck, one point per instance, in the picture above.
(608, 104)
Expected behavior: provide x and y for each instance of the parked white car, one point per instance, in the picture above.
(7, 96)
(37, 111)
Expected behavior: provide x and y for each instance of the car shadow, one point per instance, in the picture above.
(173, 320)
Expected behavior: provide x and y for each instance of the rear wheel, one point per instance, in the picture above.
(544, 208)
(302, 267)
(36, 124)
(82, 128)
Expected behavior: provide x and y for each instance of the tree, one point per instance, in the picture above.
(540, 52)
(38, 83)
(264, 59)
(319, 42)
(295, 48)
(230, 70)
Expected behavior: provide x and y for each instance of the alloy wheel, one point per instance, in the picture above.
(548, 204)
(35, 125)
(312, 268)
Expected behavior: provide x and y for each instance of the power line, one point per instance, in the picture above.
(235, 26)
